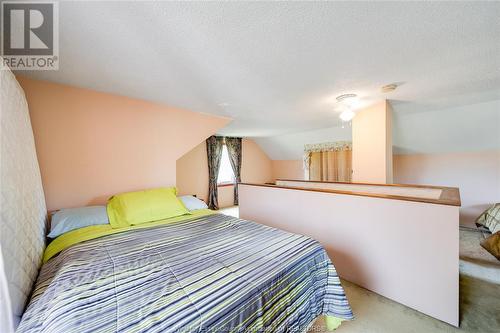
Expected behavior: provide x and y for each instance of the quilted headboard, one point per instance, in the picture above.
(22, 204)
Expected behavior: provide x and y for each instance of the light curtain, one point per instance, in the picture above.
(234, 150)
(329, 161)
(214, 154)
(333, 166)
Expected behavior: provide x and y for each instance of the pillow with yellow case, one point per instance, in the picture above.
(134, 208)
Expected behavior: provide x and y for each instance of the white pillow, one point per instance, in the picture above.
(193, 203)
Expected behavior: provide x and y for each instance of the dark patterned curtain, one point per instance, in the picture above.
(234, 150)
(214, 153)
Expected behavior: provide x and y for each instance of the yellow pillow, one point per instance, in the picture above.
(133, 208)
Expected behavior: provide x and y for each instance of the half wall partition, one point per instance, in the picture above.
(400, 241)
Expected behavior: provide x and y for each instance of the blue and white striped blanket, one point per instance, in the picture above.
(211, 274)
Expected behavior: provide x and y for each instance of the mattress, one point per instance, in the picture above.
(211, 273)
(23, 211)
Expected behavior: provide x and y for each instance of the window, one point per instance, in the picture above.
(226, 174)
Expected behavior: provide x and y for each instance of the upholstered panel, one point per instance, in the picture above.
(22, 203)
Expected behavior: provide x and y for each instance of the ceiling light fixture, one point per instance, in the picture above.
(348, 101)
(389, 87)
(343, 97)
(347, 115)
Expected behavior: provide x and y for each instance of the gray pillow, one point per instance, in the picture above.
(193, 203)
(69, 219)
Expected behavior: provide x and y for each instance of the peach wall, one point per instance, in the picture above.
(256, 166)
(477, 174)
(91, 145)
(192, 171)
(288, 169)
(389, 164)
(226, 196)
(372, 145)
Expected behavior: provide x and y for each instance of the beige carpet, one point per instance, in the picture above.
(479, 311)
(474, 260)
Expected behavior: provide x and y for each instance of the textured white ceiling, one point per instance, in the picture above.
(276, 67)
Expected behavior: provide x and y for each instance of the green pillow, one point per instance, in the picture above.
(134, 208)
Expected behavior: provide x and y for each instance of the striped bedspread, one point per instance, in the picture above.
(210, 274)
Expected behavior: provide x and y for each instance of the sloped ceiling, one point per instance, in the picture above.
(276, 67)
(291, 146)
(460, 129)
(466, 128)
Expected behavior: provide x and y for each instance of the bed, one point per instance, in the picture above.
(207, 272)
(196, 272)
